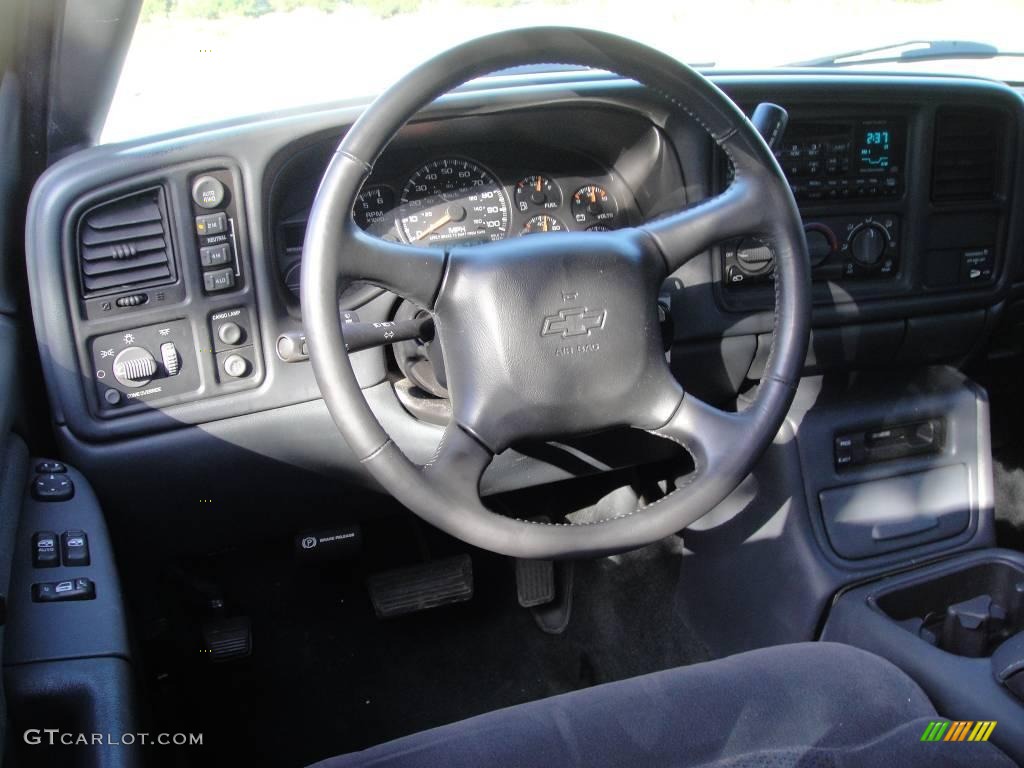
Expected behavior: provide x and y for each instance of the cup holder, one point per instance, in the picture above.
(968, 612)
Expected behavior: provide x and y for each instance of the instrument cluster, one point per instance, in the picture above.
(457, 200)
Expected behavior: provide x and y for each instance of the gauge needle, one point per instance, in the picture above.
(434, 227)
(538, 183)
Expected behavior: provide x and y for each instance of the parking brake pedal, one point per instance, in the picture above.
(419, 587)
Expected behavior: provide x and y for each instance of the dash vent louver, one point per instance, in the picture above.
(125, 243)
(968, 154)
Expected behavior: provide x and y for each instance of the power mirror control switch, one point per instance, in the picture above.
(44, 550)
(52, 488)
(49, 467)
(61, 591)
(74, 547)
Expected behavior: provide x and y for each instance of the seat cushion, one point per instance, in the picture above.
(808, 704)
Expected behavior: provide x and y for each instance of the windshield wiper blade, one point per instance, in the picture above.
(910, 51)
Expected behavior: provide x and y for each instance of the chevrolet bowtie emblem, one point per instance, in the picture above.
(579, 321)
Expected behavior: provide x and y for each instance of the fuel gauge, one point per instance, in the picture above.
(592, 204)
(537, 193)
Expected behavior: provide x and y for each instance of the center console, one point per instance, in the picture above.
(957, 628)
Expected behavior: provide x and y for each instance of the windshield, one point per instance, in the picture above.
(198, 61)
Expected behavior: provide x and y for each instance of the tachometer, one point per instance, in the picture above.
(372, 205)
(453, 201)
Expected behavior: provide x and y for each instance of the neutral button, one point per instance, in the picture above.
(207, 192)
(230, 333)
(236, 366)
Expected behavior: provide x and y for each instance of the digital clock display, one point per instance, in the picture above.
(875, 150)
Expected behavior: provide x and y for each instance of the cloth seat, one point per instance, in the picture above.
(813, 705)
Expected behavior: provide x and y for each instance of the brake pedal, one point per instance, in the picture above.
(419, 587)
(227, 639)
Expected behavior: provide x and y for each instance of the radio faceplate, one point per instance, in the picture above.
(841, 159)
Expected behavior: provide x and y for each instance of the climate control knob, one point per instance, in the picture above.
(867, 245)
(134, 367)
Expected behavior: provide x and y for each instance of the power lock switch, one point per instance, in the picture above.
(64, 591)
(74, 547)
(44, 550)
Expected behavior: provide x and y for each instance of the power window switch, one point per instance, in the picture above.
(74, 546)
(52, 488)
(44, 550)
(62, 591)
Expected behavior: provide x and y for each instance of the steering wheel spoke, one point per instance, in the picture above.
(458, 464)
(412, 273)
(737, 211)
(709, 434)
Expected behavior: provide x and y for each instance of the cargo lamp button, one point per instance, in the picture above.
(230, 333)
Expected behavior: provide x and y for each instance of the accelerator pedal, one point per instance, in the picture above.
(227, 639)
(535, 582)
(419, 587)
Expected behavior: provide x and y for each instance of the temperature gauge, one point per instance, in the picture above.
(542, 223)
(592, 204)
(537, 192)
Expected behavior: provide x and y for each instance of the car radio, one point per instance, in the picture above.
(844, 159)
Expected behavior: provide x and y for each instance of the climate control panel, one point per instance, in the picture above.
(839, 248)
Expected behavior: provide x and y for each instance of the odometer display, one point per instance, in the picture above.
(453, 201)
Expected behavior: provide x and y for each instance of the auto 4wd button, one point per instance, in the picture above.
(220, 280)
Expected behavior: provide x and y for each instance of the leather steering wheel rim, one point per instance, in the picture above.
(503, 366)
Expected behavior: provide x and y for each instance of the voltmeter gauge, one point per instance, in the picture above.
(592, 204)
(537, 193)
(542, 223)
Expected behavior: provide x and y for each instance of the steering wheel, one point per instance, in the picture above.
(553, 336)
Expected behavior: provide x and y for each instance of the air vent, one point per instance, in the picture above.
(968, 150)
(125, 243)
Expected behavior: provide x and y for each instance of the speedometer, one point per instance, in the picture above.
(453, 201)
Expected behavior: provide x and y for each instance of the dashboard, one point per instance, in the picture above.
(164, 273)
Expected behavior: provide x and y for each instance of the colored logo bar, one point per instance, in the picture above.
(958, 730)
